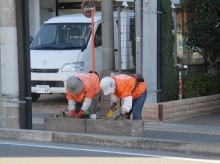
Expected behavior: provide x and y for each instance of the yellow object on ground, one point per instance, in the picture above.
(110, 113)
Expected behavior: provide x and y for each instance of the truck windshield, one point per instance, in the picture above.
(62, 36)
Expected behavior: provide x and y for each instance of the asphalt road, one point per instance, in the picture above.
(41, 152)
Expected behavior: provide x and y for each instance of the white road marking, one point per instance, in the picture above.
(111, 152)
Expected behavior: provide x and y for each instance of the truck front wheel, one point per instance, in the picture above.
(35, 96)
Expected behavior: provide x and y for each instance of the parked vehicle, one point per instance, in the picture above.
(63, 48)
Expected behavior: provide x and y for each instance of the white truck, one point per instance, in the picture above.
(62, 48)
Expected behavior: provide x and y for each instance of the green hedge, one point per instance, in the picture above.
(201, 84)
(169, 81)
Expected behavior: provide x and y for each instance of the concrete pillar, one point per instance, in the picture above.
(34, 17)
(9, 64)
(150, 48)
(107, 35)
(139, 39)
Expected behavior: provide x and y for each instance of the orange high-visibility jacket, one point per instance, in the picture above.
(91, 86)
(125, 86)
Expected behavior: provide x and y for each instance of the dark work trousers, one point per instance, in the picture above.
(137, 106)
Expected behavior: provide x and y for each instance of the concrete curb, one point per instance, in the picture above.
(111, 141)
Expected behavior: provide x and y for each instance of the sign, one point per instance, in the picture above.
(42, 88)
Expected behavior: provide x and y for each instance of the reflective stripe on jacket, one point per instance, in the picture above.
(91, 86)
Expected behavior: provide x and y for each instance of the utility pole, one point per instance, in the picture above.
(107, 35)
(139, 35)
(25, 100)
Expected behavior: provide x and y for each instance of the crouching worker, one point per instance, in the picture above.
(132, 93)
(82, 92)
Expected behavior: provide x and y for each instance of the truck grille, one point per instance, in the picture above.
(50, 83)
(45, 70)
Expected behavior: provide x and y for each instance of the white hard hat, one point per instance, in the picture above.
(74, 85)
(108, 85)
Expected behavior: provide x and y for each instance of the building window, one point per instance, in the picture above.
(184, 54)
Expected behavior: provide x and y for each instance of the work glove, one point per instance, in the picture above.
(83, 114)
(120, 117)
(72, 112)
(80, 114)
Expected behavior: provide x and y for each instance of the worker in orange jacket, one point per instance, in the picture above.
(125, 87)
(82, 92)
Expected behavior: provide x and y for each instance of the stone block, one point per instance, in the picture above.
(168, 116)
(203, 99)
(10, 115)
(168, 110)
(58, 124)
(113, 127)
(191, 107)
(168, 104)
(98, 126)
(202, 104)
(179, 103)
(179, 114)
(191, 101)
(214, 97)
(179, 109)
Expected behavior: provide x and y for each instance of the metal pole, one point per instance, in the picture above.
(119, 40)
(180, 85)
(93, 44)
(21, 68)
(28, 96)
(23, 39)
(107, 35)
(160, 112)
(139, 37)
(158, 51)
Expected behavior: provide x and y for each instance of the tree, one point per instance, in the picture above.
(203, 25)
